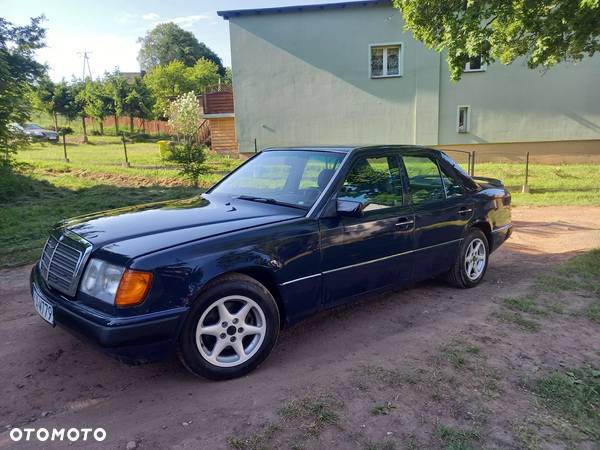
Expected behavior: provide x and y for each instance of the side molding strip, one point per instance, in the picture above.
(502, 228)
(369, 262)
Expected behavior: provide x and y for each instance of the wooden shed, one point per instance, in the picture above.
(217, 103)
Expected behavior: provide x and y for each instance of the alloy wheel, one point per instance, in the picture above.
(230, 331)
(475, 259)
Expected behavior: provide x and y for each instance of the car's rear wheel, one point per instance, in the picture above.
(230, 329)
(472, 260)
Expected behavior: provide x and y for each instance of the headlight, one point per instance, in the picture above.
(115, 285)
(101, 280)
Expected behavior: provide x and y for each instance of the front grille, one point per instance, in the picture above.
(61, 262)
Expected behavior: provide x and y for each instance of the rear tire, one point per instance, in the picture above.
(230, 330)
(471, 262)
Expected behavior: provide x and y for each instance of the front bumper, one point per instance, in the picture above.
(134, 339)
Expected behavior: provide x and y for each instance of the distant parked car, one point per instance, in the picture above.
(290, 232)
(38, 133)
(16, 129)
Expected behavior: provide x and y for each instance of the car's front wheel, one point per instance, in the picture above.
(472, 260)
(230, 329)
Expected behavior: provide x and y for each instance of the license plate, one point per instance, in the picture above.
(43, 308)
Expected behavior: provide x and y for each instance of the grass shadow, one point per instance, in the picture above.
(31, 206)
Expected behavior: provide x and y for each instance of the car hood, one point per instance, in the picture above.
(143, 229)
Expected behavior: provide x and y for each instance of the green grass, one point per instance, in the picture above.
(586, 268)
(523, 304)
(47, 189)
(517, 319)
(254, 441)
(593, 312)
(456, 439)
(575, 395)
(565, 184)
(383, 409)
(104, 154)
(33, 202)
(556, 282)
(312, 413)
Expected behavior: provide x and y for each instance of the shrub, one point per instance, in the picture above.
(191, 158)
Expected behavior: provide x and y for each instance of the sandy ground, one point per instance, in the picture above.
(393, 350)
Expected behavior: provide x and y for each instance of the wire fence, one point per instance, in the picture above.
(530, 171)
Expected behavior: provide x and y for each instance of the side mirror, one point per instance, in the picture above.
(349, 208)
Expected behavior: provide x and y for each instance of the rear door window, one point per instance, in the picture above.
(424, 179)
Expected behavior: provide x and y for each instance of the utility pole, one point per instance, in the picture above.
(86, 62)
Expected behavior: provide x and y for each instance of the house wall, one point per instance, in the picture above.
(303, 78)
(517, 104)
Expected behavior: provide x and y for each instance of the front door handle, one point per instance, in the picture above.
(465, 211)
(405, 223)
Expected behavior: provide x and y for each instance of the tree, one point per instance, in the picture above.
(44, 98)
(55, 99)
(204, 73)
(98, 103)
(139, 102)
(546, 32)
(78, 88)
(18, 72)
(118, 89)
(167, 42)
(64, 101)
(173, 79)
(228, 76)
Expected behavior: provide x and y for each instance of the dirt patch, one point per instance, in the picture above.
(122, 180)
(427, 367)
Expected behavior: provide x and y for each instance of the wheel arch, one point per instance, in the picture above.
(261, 274)
(486, 228)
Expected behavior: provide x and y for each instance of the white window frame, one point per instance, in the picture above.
(468, 69)
(467, 128)
(385, 45)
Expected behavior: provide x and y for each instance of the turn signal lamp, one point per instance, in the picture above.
(133, 288)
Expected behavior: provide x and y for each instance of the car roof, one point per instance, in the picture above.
(356, 148)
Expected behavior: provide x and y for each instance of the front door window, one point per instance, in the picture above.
(374, 182)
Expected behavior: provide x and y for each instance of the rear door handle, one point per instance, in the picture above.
(465, 211)
(405, 223)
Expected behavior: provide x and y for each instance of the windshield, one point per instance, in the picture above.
(294, 177)
(32, 126)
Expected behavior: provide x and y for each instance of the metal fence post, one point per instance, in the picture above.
(473, 164)
(525, 189)
(469, 162)
(64, 133)
(126, 163)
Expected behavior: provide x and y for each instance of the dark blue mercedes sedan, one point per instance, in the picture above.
(290, 232)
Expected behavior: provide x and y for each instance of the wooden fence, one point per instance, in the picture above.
(150, 126)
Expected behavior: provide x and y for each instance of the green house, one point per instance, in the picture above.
(348, 73)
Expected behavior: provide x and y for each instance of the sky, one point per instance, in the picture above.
(109, 29)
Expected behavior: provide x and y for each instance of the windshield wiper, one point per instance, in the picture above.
(269, 200)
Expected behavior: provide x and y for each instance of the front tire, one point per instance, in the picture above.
(230, 330)
(472, 260)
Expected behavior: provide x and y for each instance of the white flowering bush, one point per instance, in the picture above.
(185, 116)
